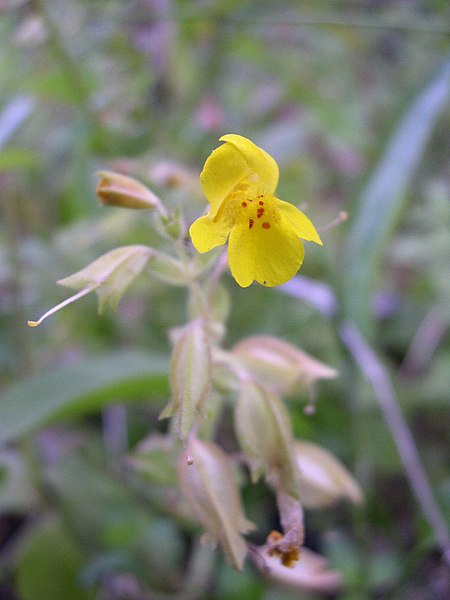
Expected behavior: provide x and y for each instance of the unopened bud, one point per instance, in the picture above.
(264, 432)
(115, 189)
(279, 365)
(210, 489)
(171, 225)
(323, 478)
(190, 377)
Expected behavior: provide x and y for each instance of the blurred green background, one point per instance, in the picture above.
(351, 98)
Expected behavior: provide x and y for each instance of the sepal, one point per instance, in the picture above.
(264, 432)
(190, 377)
(210, 489)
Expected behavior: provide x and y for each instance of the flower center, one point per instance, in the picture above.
(258, 212)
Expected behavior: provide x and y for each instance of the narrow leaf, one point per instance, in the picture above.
(383, 198)
(49, 565)
(80, 389)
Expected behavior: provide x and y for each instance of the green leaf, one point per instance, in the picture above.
(112, 518)
(49, 565)
(103, 511)
(17, 493)
(80, 389)
(383, 198)
(434, 385)
(17, 159)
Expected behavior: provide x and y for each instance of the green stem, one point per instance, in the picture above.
(374, 371)
(432, 26)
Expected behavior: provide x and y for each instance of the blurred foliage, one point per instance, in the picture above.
(143, 85)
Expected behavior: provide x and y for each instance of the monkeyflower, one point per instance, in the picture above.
(311, 573)
(264, 233)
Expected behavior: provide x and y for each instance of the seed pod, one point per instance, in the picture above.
(211, 491)
(190, 377)
(323, 478)
(279, 365)
(263, 429)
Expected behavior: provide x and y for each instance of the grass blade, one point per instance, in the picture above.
(80, 389)
(382, 199)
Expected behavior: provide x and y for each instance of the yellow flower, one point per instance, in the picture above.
(239, 180)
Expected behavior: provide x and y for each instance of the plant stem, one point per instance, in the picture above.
(375, 373)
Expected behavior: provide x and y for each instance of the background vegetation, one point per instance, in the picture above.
(351, 98)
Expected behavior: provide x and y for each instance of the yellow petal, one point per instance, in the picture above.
(271, 256)
(258, 160)
(299, 222)
(238, 166)
(207, 234)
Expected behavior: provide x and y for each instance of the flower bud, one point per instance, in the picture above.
(323, 479)
(212, 494)
(115, 189)
(190, 377)
(263, 429)
(170, 225)
(278, 365)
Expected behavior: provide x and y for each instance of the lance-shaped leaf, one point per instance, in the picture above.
(111, 274)
(383, 200)
(190, 377)
(264, 432)
(210, 489)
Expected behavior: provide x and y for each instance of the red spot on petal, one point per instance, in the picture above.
(259, 212)
(244, 204)
(266, 225)
(250, 223)
(261, 203)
